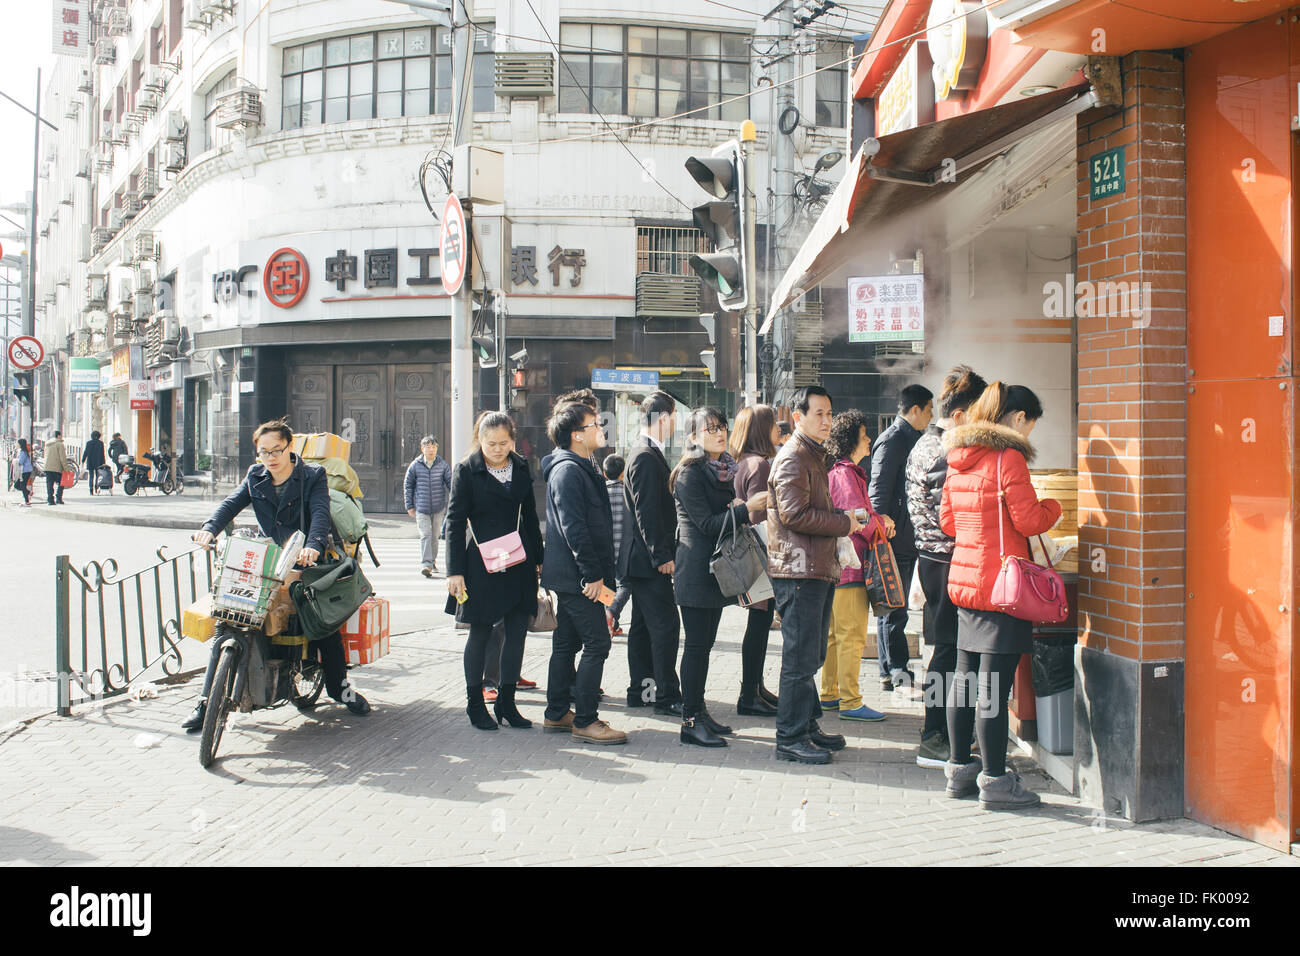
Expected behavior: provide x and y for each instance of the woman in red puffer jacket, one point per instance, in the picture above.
(989, 642)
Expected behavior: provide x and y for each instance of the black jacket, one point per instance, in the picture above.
(652, 539)
(116, 448)
(888, 489)
(579, 527)
(483, 504)
(702, 503)
(305, 505)
(92, 456)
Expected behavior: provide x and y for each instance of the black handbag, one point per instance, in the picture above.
(327, 595)
(739, 558)
(884, 585)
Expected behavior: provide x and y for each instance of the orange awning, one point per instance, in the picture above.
(896, 172)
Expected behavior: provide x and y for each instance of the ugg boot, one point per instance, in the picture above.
(1005, 792)
(962, 777)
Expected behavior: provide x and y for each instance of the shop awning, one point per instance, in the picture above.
(896, 172)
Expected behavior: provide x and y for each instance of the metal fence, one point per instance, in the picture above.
(118, 627)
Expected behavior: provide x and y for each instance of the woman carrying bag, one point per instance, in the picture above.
(24, 482)
(705, 495)
(92, 456)
(494, 554)
(990, 508)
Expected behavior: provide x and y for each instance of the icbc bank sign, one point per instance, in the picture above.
(284, 280)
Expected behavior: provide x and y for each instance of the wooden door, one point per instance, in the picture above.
(418, 409)
(362, 408)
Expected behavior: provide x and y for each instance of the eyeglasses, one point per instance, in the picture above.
(591, 425)
(269, 453)
(714, 428)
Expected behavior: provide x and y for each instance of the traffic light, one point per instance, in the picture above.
(23, 387)
(723, 359)
(722, 176)
(483, 336)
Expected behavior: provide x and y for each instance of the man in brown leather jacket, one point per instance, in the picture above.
(802, 530)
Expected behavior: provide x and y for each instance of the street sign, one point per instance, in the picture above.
(452, 245)
(1106, 173)
(26, 352)
(635, 380)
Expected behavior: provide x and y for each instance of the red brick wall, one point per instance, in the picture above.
(1132, 372)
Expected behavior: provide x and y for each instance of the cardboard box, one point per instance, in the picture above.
(277, 616)
(365, 635)
(246, 577)
(322, 445)
(197, 620)
(365, 650)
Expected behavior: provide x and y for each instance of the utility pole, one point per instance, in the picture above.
(499, 307)
(750, 315)
(29, 322)
(462, 303)
(783, 183)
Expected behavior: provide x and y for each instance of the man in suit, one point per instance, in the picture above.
(646, 563)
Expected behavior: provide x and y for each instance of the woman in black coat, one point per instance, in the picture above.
(703, 489)
(492, 496)
(92, 456)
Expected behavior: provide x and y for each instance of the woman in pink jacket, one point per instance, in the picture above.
(849, 443)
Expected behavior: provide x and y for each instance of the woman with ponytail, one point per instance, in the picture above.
(990, 508)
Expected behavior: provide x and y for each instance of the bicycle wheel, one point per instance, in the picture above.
(168, 485)
(307, 685)
(219, 704)
(180, 484)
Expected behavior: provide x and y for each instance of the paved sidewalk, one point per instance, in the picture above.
(414, 783)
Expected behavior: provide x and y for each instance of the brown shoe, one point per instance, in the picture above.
(561, 726)
(599, 732)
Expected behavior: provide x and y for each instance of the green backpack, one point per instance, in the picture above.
(349, 521)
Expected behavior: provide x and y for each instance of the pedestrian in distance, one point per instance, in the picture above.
(754, 441)
(704, 494)
(92, 456)
(56, 463)
(802, 527)
(655, 633)
(492, 499)
(427, 487)
(927, 468)
(614, 468)
(990, 508)
(287, 495)
(848, 444)
(116, 451)
(578, 566)
(24, 469)
(888, 492)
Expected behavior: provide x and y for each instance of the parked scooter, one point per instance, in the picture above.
(137, 474)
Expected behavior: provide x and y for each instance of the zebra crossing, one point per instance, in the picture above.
(415, 602)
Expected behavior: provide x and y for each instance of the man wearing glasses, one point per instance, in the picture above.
(287, 495)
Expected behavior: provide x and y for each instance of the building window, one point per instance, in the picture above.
(832, 85)
(653, 71)
(666, 250)
(211, 135)
(389, 73)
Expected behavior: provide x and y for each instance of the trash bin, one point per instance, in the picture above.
(1052, 661)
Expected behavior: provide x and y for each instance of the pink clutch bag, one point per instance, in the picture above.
(503, 552)
(1023, 588)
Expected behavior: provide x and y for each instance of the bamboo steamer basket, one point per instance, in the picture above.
(1064, 487)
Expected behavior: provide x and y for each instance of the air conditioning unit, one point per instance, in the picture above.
(125, 293)
(176, 127)
(115, 220)
(113, 133)
(117, 22)
(524, 74)
(144, 284)
(195, 16)
(131, 123)
(147, 103)
(122, 326)
(667, 295)
(86, 80)
(85, 165)
(143, 308)
(131, 205)
(175, 161)
(147, 184)
(45, 174)
(105, 52)
(96, 290)
(104, 158)
(73, 110)
(145, 248)
(100, 237)
(239, 108)
(83, 247)
(171, 326)
(155, 80)
(215, 8)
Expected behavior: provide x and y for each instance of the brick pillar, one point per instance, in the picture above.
(1132, 450)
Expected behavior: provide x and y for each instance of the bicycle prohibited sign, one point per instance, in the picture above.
(26, 352)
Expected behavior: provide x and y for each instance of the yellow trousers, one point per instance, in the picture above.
(848, 635)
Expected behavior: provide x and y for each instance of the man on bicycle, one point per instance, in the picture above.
(287, 495)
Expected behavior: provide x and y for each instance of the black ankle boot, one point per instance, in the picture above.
(194, 722)
(716, 726)
(696, 732)
(477, 710)
(767, 695)
(752, 704)
(505, 711)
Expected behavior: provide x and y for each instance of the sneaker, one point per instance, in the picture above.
(616, 630)
(434, 567)
(489, 693)
(861, 713)
(886, 684)
(599, 732)
(609, 622)
(1005, 792)
(525, 684)
(427, 571)
(831, 704)
(934, 751)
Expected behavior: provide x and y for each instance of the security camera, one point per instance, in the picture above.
(520, 357)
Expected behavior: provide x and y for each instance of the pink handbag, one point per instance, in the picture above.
(1023, 588)
(503, 552)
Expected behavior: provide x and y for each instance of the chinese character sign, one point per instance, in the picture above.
(886, 308)
(71, 32)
